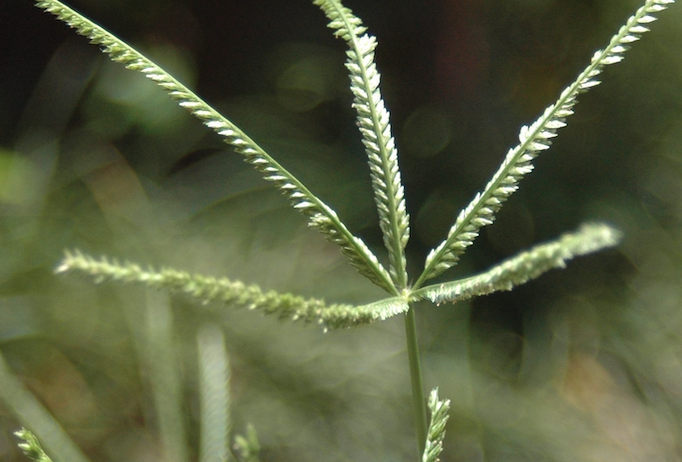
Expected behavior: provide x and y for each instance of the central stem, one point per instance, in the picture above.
(418, 401)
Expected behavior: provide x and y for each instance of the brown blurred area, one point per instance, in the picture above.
(581, 364)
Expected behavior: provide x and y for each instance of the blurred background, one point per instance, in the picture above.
(581, 364)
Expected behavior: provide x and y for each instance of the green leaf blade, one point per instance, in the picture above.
(214, 395)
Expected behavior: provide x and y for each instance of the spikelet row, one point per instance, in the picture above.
(207, 289)
(321, 216)
(373, 121)
(525, 266)
(439, 409)
(533, 140)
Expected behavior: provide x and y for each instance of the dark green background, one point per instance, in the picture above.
(582, 364)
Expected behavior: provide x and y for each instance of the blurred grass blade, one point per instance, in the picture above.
(214, 395)
(166, 381)
(31, 413)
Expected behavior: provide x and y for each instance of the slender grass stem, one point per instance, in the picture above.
(418, 400)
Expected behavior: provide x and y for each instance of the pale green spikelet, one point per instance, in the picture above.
(208, 289)
(524, 266)
(439, 418)
(533, 140)
(374, 124)
(247, 446)
(320, 215)
(31, 446)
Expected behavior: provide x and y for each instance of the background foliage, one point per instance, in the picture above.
(581, 364)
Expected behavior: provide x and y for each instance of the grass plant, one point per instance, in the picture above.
(403, 291)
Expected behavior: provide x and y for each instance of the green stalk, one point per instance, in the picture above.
(418, 400)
